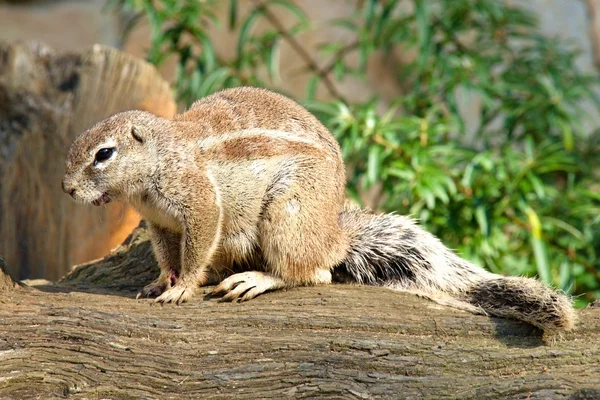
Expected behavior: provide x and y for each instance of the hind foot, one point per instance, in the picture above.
(246, 285)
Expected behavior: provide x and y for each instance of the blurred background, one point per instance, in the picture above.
(480, 118)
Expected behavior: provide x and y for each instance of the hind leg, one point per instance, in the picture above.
(299, 236)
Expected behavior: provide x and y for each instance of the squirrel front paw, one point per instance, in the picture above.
(157, 287)
(154, 289)
(177, 294)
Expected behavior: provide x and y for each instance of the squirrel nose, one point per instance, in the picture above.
(66, 189)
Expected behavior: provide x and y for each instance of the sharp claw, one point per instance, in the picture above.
(218, 292)
(178, 302)
(137, 297)
(209, 296)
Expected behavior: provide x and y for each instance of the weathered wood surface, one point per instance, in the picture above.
(6, 282)
(87, 337)
(325, 342)
(46, 99)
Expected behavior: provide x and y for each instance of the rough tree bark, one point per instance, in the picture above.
(6, 282)
(87, 337)
(46, 99)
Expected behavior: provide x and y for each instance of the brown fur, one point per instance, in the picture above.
(259, 147)
(248, 178)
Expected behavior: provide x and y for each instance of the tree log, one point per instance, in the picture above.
(87, 337)
(46, 99)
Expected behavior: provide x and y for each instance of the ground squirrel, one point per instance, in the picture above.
(247, 189)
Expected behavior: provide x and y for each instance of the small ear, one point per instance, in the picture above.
(138, 133)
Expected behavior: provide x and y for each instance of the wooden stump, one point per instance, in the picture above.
(46, 99)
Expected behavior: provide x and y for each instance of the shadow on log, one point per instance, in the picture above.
(46, 99)
(87, 337)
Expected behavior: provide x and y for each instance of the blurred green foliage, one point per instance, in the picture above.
(516, 191)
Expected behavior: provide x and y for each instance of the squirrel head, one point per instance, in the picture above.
(113, 158)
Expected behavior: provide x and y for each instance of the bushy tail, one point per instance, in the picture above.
(392, 250)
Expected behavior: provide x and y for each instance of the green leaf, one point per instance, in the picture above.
(347, 24)
(467, 179)
(328, 109)
(208, 53)
(245, 33)
(564, 277)
(568, 139)
(537, 185)
(233, 13)
(373, 164)
(440, 193)
(370, 12)
(424, 27)
(406, 175)
(213, 82)
(482, 220)
(539, 246)
(541, 259)
(429, 198)
(291, 7)
(576, 233)
(273, 61)
(311, 87)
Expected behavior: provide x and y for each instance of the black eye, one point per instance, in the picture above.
(103, 155)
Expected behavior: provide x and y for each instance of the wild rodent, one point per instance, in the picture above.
(248, 180)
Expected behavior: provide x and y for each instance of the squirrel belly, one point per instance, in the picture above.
(249, 181)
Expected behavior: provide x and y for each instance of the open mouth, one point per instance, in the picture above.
(104, 199)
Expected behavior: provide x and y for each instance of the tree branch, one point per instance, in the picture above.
(338, 56)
